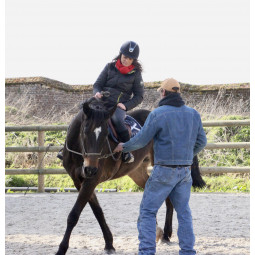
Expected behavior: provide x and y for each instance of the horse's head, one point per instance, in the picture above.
(93, 134)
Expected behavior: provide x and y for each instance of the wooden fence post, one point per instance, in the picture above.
(40, 162)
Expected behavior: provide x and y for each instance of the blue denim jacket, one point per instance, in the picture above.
(177, 133)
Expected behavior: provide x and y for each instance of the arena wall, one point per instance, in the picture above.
(50, 95)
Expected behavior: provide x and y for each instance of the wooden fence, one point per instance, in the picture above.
(41, 150)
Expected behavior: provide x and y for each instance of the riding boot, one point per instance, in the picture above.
(60, 154)
(127, 157)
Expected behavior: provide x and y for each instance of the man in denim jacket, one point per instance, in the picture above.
(178, 135)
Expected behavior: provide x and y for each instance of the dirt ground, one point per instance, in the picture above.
(35, 224)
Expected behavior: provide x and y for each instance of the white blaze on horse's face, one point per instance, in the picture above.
(97, 132)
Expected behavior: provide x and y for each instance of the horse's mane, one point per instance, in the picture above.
(97, 115)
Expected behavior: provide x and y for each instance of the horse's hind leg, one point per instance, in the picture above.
(98, 212)
(85, 193)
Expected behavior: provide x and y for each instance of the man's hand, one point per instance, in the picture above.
(119, 147)
(122, 106)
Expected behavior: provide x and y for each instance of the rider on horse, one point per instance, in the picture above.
(122, 78)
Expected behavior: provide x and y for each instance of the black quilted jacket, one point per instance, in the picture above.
(131, 85)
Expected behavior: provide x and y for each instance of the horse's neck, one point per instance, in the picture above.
(73, 131)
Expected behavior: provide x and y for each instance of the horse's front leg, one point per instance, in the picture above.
(168, 229)
(86, 190)
(98, 212)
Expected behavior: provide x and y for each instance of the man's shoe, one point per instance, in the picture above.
(128, 157)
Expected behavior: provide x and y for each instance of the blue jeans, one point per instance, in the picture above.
(163, 182)
(118, 120)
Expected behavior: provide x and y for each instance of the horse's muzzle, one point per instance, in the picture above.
(89, 171)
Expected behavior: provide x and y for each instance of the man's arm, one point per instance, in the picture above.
(201, 139)
(144, 136)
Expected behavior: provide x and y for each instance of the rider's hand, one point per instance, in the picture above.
(98, 95)
(122, 106)
(119, 147)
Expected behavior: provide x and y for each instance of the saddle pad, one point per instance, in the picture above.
(132, 123)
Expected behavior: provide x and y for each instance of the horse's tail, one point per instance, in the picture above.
(198, 182)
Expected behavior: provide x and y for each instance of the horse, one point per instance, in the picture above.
(89, 160)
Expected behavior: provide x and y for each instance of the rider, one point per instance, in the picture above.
(122, 78)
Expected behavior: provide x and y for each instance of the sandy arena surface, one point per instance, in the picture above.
(35, 224)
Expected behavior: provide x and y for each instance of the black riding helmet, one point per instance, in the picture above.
(130, 49)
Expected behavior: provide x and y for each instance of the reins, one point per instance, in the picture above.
(87, 154)
(111, 154)
(116, 159)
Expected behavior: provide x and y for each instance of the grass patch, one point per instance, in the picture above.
(225, 183)
(222, 183)
(124, 184)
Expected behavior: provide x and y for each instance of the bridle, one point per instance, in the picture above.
(88, 154)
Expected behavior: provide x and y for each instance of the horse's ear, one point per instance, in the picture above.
(85, 106)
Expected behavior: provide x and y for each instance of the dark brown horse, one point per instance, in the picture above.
(89, 160)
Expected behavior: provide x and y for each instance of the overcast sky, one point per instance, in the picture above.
(194, 41)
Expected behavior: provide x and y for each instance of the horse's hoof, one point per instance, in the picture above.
(110, 251)
(60, 253)
(166, 241)
(159, 235)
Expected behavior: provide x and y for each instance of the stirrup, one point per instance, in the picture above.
(60, 154)
(128, 157)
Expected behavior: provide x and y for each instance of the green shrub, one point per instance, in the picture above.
(226, 183)
(21, 181)
(226, 157)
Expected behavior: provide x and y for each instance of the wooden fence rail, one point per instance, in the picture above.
(204, 170)
(41, 150)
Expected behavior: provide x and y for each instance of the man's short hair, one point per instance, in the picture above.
(168, 92)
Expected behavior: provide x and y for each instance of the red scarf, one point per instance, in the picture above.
(124, 69)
